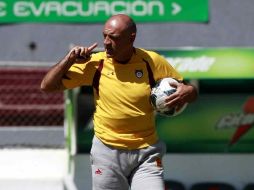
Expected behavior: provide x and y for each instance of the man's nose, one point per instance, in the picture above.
(107, 40)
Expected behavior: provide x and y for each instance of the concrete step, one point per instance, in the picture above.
(33, 169)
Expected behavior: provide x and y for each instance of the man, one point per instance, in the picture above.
(126, 152)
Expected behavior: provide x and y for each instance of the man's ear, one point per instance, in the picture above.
(133, 36)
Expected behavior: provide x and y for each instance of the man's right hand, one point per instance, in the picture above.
(80, 54)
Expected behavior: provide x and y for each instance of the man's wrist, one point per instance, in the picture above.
(68, 61)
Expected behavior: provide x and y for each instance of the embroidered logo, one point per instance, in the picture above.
(110, 73)
(139, 73)
(98, 172)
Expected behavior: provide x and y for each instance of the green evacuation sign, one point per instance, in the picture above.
(89, 11)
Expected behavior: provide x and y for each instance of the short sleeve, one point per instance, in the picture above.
(162, 68)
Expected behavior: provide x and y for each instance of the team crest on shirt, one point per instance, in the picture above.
(139, 73)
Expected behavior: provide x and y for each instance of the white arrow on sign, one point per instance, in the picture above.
(176, 8)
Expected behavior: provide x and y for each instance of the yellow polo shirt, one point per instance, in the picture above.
(124, 117)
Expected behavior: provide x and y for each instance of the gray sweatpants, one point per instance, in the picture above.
(117, 169)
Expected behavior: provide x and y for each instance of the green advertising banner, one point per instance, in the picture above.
(209, 63)
(215, 123)
(87, 11)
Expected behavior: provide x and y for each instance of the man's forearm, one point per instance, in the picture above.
(52, 81)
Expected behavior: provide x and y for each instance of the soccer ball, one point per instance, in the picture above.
(159, 92)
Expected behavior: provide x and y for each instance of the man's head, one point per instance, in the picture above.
(119, 34)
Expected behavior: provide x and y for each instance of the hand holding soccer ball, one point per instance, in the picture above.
(160, 98)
